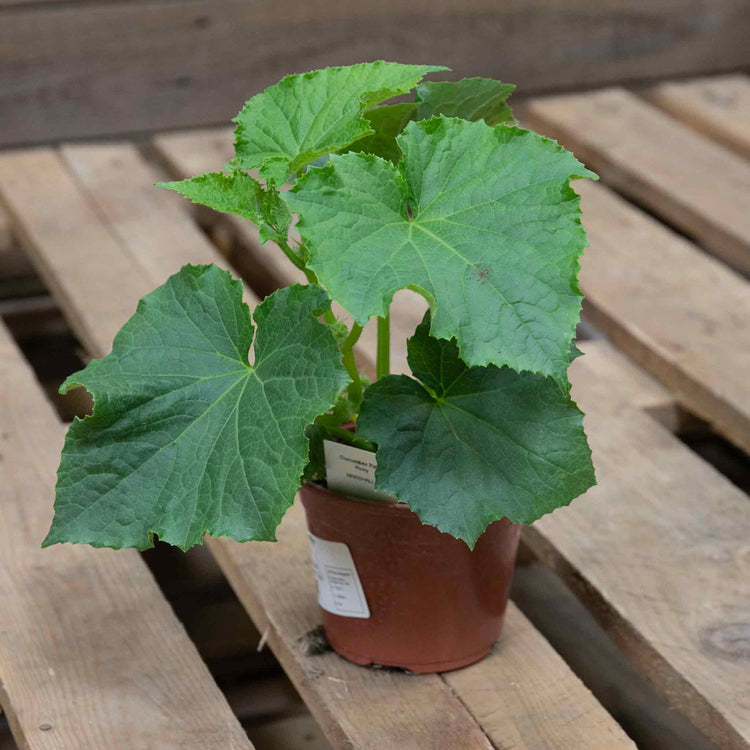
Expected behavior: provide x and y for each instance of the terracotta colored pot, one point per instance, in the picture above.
(434, 604)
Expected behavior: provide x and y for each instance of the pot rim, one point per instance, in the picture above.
(375, 506)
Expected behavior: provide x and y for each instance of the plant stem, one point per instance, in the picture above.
(298, 261)
(347, 352)
(343, 434)
(384, 347)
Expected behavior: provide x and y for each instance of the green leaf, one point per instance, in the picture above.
(482, 221)
(470, 99)
(575, 352)
(386, 122)
(186, 437)
(239, 193)
(469, 445)
(276, 220)
(234, 193)
(307, 115)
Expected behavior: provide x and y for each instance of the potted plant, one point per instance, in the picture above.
(190, 434)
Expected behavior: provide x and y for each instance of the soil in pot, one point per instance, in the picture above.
(414, 597)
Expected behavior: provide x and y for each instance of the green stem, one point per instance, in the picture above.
(299, 262)
(340, 432)
(383, 367)
(347, 351)
(311, 277)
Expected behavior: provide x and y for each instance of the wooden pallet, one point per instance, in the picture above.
(657, 551)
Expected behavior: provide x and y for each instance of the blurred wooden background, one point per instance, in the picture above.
(83, 68)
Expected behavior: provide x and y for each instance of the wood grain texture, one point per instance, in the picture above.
(657, 503)
(86, 69)
(523, 695)
(355, 707)
(91, 654)
(633, 385)
(59, 228)
(659, 552)
(86, 244)
(660, 521)
(693, 183)
(680, 313)
(149, 222)
(359, 707)
(718, 106)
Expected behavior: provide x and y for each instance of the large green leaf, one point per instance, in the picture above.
(470, 99)
(307, 115)
(481, 220)
(386, 122)
(186, 437)
(469, 445)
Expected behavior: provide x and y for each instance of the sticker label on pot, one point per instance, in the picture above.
(339, 588)
(352, 471)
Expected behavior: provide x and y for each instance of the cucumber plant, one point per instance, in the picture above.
(444, 195)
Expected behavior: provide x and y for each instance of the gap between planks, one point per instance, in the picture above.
(565, 709)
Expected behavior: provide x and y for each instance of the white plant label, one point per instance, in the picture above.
(352, 471)
(339, 588)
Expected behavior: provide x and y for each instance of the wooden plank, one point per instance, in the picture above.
(633, 386)
(374, 709)
(58, 227)
(149, 222)
(674, 634)
(91, 654)
(693, 183)
(679, 636)
(523, 695)
(355, 707)
(64, 75)
(718, 106)
(525, 676)
(657, 551)
(680, 313)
